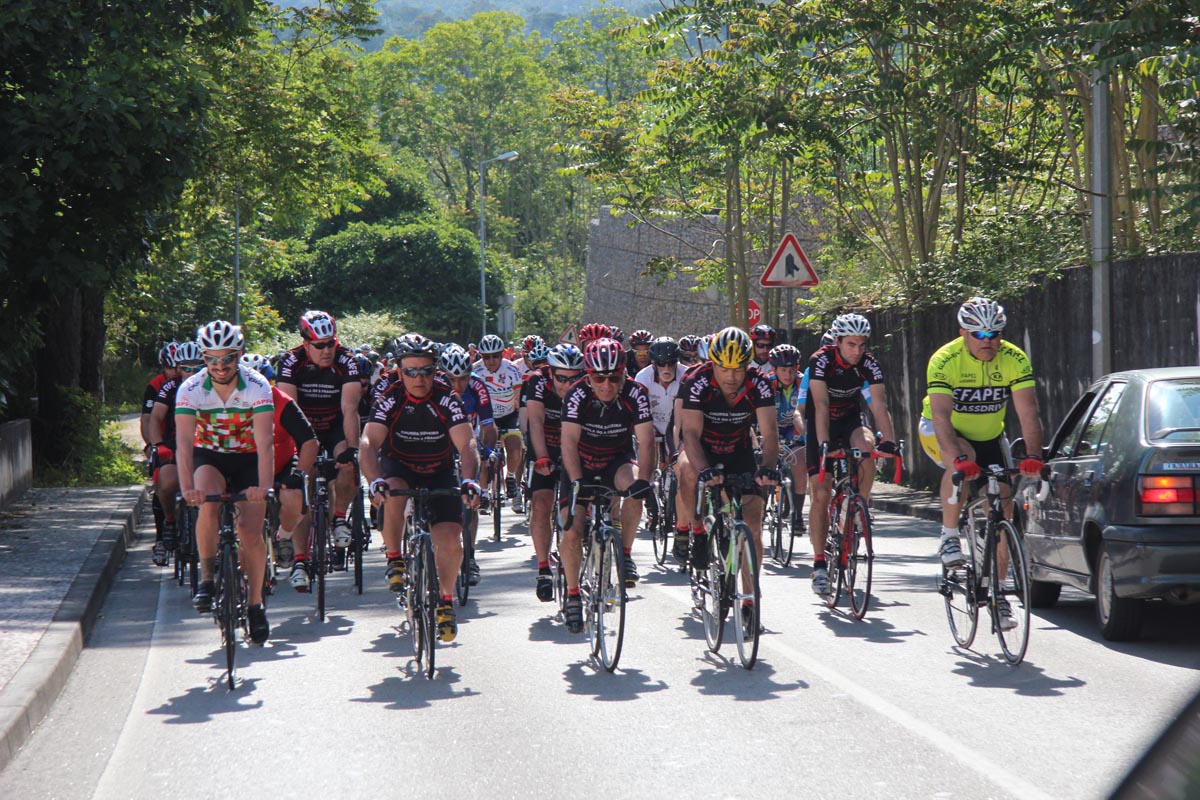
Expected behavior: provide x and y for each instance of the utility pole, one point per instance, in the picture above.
(1101, 156)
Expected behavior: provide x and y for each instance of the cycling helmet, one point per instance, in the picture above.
(565, 356)
(640, 336)
(763, 331)
(689, 343)
(664, 351)
(604, 355)
(702, 348)
(491, 344)
(531, 341)
(731, 348)
(254, 361)
(827, 338)
(414, 344)
(220, 335)
(784, 355)
(618, 335)
(539, 353)
(166, 354)
(850, 325)
(188, 353)
(316, 325)
(981, 314)
(593, 331)
(455, 361)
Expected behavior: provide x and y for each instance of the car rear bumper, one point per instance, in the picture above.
(1152, 562)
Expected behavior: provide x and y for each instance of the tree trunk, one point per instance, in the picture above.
(56, 427)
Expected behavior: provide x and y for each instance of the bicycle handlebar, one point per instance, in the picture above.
(994, 470)
(739, 481)
(597, 489)
(859, 454)
(236, 497)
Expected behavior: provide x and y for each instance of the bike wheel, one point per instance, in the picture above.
(462, 584)
(610, 603)
(319, 539)
(589, 590)
(358, 542)
(497, 501)
(833, 556)
(227, 605)
(860, 557)
(1012, 586)
(661, 531)
(958, 591)
(746, 623)
(429, 575)
(713, 604)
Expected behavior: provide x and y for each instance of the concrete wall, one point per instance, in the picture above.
(16, 460)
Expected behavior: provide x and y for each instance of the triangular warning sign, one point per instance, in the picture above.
(789, 267)
(568, 336)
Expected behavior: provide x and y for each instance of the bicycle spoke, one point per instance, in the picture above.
(1012, 587)
(610, 603)
(859, 557)
(747, 605)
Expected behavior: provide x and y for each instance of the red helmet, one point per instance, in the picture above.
(531, 341)
(593, 331)
(604, 355)
(317, 325)
(640, 336)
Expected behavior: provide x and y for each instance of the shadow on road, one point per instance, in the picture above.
(547, 629)
(586, 678)
(415, 690)
(871, 629)
(1026, 679)
(305, 628)
(205, 703)
(1170, 634)
(726, 677)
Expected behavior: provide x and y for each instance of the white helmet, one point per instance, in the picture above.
(850, 325)
(455, 361)
(220, 335)
(981, 314)
(188, 353)
(255, 362)
(315, 325)
(491, 344)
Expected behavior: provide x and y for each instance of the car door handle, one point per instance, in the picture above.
(1088, 477)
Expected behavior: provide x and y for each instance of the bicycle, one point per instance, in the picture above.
(601, 575)
(496, 462)
(187, 559)
(462, 583)
(982, 527)
(360, 530)
(731, 578)
(777, 510)
(420, 597)
(321, 533)
(849, 547)
(662, 521)
(229, 587)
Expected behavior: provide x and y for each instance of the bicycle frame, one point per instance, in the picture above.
(601, 575)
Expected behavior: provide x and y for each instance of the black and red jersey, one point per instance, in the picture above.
(726, 425)
(166, 395)
(150, 396)
(542, 391)
(607, 427)
(532, 377)
(419, 429)
(843, 382)
(319, 389)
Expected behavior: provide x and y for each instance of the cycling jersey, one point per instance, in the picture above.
(476, 401)
(980, 389)
(764, 368)
(542, 391)
(418, 437)
(224, 426)
(607, 433)
(662, 398)
(319, 389)
(292, 429)
(787, 400)
(166, 396)
(843, 383)
(502, 386)
(150, 395)
(365, 378)
(726, 425)
(381, 385)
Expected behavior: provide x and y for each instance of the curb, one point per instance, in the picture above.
(31, 693)
(921, 508)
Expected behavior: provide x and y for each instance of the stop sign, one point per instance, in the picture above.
(755, 314)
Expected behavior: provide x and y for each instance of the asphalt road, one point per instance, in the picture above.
(885, 708)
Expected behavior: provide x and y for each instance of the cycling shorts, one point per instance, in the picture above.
(740, 463)
(240, 470)
(987, 452)
(604, 477)
(285, 472)
(539, 481)
(442, 509)
(331, 438)
(508, 425)
(840, 431)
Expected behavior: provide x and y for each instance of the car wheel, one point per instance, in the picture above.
(1043, 594)
(1120, 617)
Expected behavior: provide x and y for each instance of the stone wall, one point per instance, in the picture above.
(16, 460)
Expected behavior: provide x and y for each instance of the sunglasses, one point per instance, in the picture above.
(223, 361)
(665, 364)
(189, 368)
(418, 372)
(491, 356)
(566, 378)
(984, 336)
(325, 345)
(606, 377)
(688, 359)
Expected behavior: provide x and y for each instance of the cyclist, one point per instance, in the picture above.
(503, 381)
(789, 415)
(970, 381)
(833, 418)
(225, 443)
(187, 361)
(602, 416)
(166, 361)
(528, 345)
(593, 331)
(763, 336)
(688, 345)
(477, 403)
(408, 444)
(544, 412)
(322, 377)
(639, 344)
(661, 379)
(722, 401)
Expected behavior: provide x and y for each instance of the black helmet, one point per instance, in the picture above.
(664, 350)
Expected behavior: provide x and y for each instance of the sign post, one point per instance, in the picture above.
(789, 267)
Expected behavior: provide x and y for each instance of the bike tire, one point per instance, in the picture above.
(462, 583)
(497, 501)
(430, 590)
(1013, 587)
(860, 557)
(319, 540)
(787, 537)
(415, 606)
(833, 556)
(746, 626)
(958, 591)
(661, 531)
(358, 540)
(776, 529)
(610, 600)
(227, 599)
(712, 587)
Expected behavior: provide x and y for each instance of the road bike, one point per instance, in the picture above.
(778, 512)
(187, 559)
(731, 577)
(849, 548)
(229, 586)
(496, 484)
(662, 518)
(983, 530)
(462, 583)
(601, 574)
(320, 543)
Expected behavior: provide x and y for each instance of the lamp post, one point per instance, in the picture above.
(509, 156)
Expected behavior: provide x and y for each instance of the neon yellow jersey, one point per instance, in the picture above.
(980, 388)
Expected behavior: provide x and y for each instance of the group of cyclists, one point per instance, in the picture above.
(604, 412)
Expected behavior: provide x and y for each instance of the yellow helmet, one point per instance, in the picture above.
(731, 348)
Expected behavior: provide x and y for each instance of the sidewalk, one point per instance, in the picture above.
(59, 551)
(902, 500)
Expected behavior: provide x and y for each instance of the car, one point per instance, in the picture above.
(1118, 512)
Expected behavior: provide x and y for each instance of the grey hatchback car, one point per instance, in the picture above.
(1119, 516)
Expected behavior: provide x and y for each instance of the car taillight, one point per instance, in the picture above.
(1164, 495)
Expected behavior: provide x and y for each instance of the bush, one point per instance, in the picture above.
(96, 455)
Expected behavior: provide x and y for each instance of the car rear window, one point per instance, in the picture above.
(1173, 410)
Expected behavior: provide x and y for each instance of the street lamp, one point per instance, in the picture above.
(509, 156)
